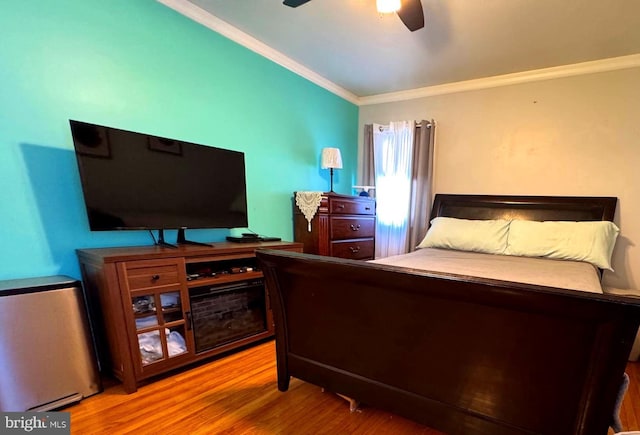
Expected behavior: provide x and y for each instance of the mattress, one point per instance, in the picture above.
(573, 275)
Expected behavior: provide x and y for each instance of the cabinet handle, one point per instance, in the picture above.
(367, 208)
(189, 320)
(355, 227)
(354, 250)
(155, 277)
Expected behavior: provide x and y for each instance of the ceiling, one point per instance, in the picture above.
(350, 45)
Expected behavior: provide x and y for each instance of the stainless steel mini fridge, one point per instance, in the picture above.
(47, 358)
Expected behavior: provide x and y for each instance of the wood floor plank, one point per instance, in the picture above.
(238, 394)
(631, 406)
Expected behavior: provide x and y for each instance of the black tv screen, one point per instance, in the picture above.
(139, 181)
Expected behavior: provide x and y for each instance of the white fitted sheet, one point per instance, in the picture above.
(573, 275)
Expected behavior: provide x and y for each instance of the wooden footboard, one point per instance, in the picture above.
(459, 354)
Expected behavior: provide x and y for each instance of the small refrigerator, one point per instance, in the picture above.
(47, 358)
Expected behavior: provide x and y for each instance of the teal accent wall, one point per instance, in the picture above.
(138, 65)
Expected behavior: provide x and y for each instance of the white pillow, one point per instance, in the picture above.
(488, 236)
(592, 242)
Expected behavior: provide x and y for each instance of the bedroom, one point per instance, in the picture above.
(131, 70)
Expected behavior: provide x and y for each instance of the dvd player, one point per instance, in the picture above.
(243, 239)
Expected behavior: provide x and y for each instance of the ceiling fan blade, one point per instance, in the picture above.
(294, 3)
(411, 14)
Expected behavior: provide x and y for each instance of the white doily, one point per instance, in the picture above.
(308, 203)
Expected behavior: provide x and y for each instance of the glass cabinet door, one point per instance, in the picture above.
(160, 326)
(173, 318)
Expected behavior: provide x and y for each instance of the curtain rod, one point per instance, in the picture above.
(417, 124)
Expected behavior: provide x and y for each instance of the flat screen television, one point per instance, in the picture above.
(134, 181)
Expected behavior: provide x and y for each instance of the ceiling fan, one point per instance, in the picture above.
(409, 11)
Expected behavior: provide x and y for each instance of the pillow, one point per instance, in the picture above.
(583, 241)
(489, 236)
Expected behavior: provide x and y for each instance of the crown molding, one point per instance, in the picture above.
(214, 23)
(596, 66)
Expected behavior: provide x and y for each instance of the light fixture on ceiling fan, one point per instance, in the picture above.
(409, 11)
(387, 6)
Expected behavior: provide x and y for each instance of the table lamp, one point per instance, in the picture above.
(331, 159)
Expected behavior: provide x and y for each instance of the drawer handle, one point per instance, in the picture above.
(367, 208)
(355, 227)
(354, 250)
(155, 277)
(340, 206)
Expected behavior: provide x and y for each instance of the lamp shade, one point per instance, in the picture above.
(331, 158)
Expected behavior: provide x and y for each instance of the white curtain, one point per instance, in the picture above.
(392, 156)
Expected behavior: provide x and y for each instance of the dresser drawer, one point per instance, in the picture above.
(351, 206)
(144, 277)
(353, 249)
(351, 227)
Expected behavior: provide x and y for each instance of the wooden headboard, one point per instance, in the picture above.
(537, 208)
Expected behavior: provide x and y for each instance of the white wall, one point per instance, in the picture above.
(570, 136)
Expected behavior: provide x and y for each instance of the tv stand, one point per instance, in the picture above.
(126, 286)
(161, 241)
(183, 241)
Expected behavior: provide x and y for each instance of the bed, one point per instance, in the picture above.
(459, 353)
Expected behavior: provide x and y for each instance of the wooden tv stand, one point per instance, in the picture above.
(140, 304)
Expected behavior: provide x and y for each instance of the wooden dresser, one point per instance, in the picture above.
(344, 226)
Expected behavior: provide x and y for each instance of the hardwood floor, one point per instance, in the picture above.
(630, 412)
(238, 395)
